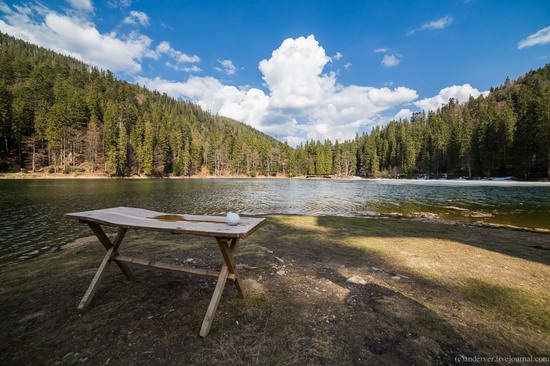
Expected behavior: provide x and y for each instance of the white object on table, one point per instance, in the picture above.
(232, 218)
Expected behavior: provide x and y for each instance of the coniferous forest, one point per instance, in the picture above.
(58, 114)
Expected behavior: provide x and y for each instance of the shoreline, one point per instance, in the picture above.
(477, 180)
(420, 219)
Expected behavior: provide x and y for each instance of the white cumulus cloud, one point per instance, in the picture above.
(137, 17)
(193, 68)
(227, 67)
(77, 37)
(85, 5)
(178, 56)
(248, 106)
(391, 60)
(294, 75)
(540, 37)
(402, 114)
(460, 93)
(302, 102)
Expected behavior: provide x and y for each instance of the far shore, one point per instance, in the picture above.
(88, 175)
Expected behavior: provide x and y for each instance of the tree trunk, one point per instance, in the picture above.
(33, 152)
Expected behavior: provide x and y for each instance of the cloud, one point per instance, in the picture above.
(381, 50)
(337, 57)
(193, 68)
(178, 56)
(249, 106)
(302, 102)
(182, 67)
(402, 114)
(541, 37)
(137, 17)
(85, 5)
(78, 38)
(432, 25)
(179, 60)
(391, 60)
(4, 8)
(294, 75)
(119, 3)
(227, 67)
(347, 65)
(460, 93)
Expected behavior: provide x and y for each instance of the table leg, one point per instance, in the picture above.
(102, 270)
(104, 240)
(228, 267)
(227, 252)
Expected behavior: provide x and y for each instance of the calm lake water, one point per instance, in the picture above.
(32, 223)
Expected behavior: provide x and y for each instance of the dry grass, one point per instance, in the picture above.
(461, 291)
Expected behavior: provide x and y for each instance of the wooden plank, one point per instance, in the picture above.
(96, 281)
(104, 240)
(204, 272)
(227, 252)
(214, 301)
(192, 224)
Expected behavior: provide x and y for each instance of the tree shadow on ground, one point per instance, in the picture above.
(519, 313)
(384, 326)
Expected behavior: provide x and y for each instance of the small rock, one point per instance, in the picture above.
(269, 251)
(395, 277)
(189, 260)
(282, 272)
(356, 280)
(280, 259)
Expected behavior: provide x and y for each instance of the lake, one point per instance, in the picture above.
(32, 223)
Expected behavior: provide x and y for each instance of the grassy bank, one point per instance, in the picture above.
(433, 292)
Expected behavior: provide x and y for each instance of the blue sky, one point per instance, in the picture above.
(298, 69)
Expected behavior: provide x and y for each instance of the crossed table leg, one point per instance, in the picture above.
(228, 270)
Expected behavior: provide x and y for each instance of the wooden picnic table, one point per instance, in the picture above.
(125, 218)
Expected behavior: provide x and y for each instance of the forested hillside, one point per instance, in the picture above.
(505, 133)
(59, 114)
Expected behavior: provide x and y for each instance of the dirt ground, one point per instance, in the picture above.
(434, 294)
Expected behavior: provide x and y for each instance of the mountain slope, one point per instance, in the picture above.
(60, 113)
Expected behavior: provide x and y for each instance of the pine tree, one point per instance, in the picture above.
(147, 149)
(5, 114)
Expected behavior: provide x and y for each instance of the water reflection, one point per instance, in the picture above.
(32, 223)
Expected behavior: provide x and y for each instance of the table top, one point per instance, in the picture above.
(177, 223)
